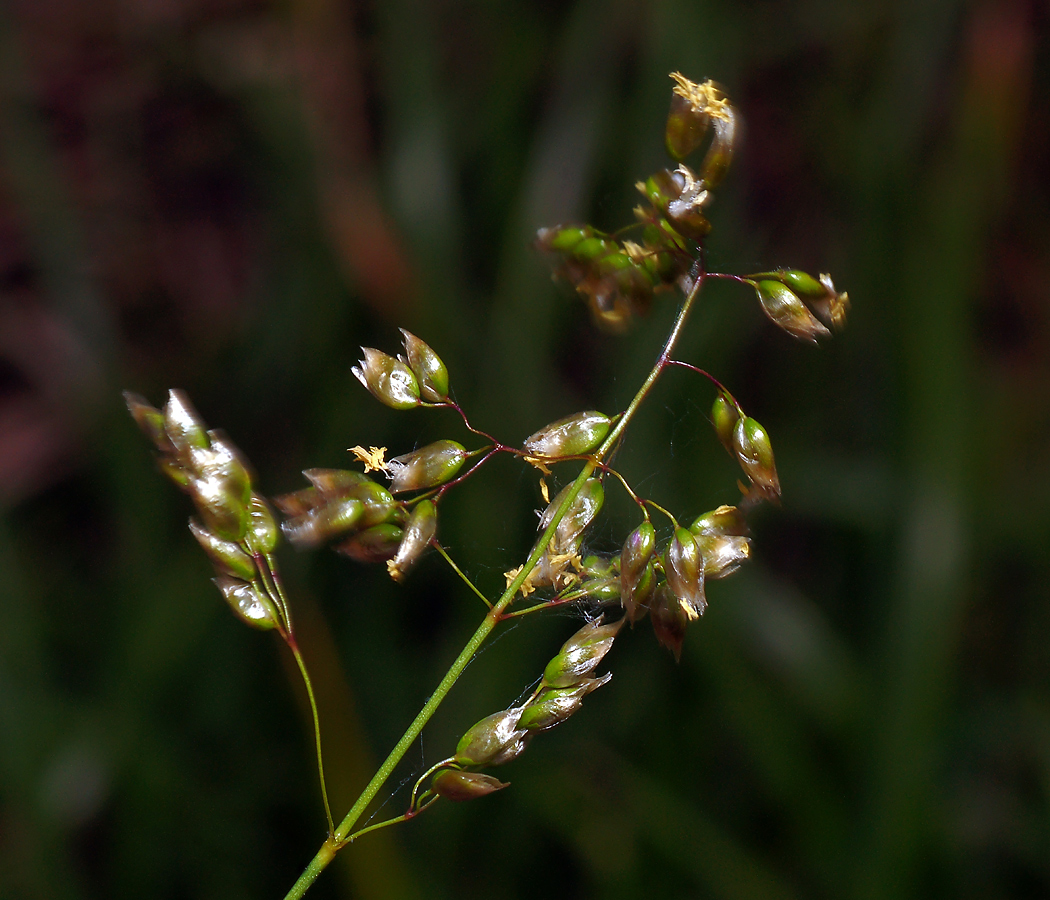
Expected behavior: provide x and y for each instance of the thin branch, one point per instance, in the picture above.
(294, 647)
(459, 572)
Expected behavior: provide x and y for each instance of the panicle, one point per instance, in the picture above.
(619, 278)
(235, 527)
(612, 277)
(503, 736)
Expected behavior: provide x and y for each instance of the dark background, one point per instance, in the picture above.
(231, 196)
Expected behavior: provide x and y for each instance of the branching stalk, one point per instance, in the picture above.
(340, 836)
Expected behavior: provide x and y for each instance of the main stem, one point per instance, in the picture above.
(342, 835)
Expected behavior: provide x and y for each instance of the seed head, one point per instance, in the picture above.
(784, 308)
(685, 573)
(391, 381)
(572, 436)
(755, 453)
(227, 556)
(494, 740)
(372, 545)
(581, 654)
(249, 604)
(457, 785)
(635, 562)
(554, 705)
(669, 619)
(428, 368)
(724, 416)
(427, 467)
(419, 532)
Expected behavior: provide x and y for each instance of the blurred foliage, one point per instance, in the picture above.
(230, 197)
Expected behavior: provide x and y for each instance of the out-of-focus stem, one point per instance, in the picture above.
(317, 729)
(271, 583)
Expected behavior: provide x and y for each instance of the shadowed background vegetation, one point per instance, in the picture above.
(231, 196)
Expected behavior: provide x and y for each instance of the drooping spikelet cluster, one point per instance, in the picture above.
(234, 525)
(619, 274)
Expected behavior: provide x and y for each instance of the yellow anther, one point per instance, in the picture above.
(372, 458)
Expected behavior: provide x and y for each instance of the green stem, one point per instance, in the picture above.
(456, 569)
(317, 729)
(662, 362)
(558, 600)
(316, 866)
(272, 583)
(415, 790)
(340, 835)
(387, 823)
(641, 503)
